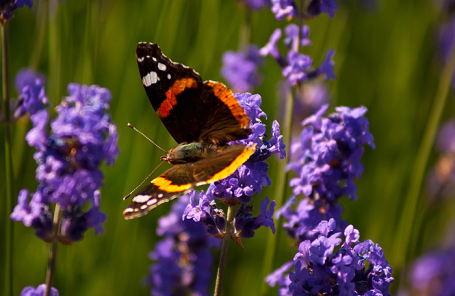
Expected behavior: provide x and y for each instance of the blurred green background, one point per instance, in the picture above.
(385, 60)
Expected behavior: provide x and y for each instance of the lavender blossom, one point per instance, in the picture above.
(319, 269)
(240, 69)
(32, 98)
(327, 162)
(39, 291)
(183, 258)
(432, 274)
(292, 32)
(316, 7)
(256, 4)
(7, 7)
(68, 158)
(441, 178)
(281, 8)
(298, 64)
(250, 177)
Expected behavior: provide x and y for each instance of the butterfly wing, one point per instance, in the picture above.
(190, 109)
(181, 178)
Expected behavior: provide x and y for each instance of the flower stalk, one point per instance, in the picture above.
(224, 250)
(8, 284)
(405, 231)
(53, 252)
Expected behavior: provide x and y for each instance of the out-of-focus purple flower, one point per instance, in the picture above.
(32, 98)
(432, 274)
(26, 77)
(445, 141)
(283, 8)
(240, 69)
(327, 160)
(271, 49)
(316, 7)
(441, 178)
(296, 70)
(326, 68)
(7, 7)
(69, 160)
(292, 32)
(183, 259)
(319, 270)
(256, 4)
(39, 291)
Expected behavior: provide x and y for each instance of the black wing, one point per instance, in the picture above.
(190, 109)
(181, 178)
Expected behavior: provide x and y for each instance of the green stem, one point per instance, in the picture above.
(280, 188)
(8, 163)
(404, 234)
(224, 250)
(245, 32)
(53, 252)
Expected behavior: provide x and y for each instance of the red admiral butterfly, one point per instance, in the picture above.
(201, 116)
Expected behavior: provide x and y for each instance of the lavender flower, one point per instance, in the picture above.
(328, 160)
(240, 69)
(183, 258)
(7, 7)
(32, 98)
(432, 274)
(256, 4)
(292, 32)
(297, 66)
(249, 178)
(69, 158)
(281, 8)
(441, 178)
(318, 269)
(39, 291)
(316, 7)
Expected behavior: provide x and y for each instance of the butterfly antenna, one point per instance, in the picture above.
(141, 133)
(128, 195)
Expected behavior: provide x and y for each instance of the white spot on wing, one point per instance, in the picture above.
(140, 60)
(141, 198)
(169, 76)
(154, 59)
(161, 67)
(150, 78)
(151, 202)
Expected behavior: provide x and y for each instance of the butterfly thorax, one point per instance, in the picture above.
(189, 152)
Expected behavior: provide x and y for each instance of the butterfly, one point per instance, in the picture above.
(202, 117)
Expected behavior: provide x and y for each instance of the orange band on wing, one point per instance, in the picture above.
(225, 94)
(166, 185)
(238, 161)
(170, 101)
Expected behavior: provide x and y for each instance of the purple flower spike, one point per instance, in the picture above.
(327, 159)
(292, 32)
(271, 49)
(281, 8)
(298, 64)
(39, 291)
(7, 7)
(316, 7)
(256, 4)
(32, 98)
(69, 159)
(182, 260)
(240, 69)
(318, 270)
